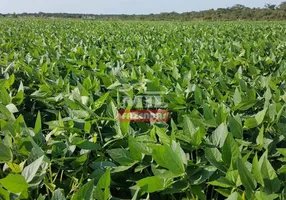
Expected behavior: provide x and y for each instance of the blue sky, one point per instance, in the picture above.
(122, 6)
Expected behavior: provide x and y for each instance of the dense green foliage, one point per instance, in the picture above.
(234, 13)
(60, 136)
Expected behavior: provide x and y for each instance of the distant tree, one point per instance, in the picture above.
(238, 7)
(283, 5)
(236, 12)
(270, 6)
(41, 14)
(14, 15)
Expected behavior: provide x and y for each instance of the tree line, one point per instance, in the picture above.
(236, 12)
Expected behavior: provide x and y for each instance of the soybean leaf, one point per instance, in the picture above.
(102, 191)
(98, 103)
(122, 156)
(230, 151)
(151, 184)
(5, 154)
(58, 195)
(168, 157)
(219, 135)
(30, 171)
(245, 176)
(15, 183)
(236, 127)
(257, 171)
(214, 157)
(85, 192)
(270, 178)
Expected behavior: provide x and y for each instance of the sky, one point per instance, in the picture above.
(122, 6)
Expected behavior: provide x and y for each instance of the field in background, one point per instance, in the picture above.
(62, 86)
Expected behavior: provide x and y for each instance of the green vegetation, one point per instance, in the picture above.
(270, 12)
(60, 86)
